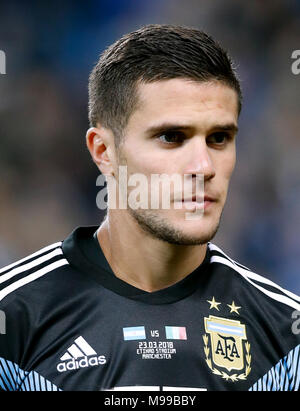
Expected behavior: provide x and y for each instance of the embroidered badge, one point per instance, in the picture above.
(226, 348)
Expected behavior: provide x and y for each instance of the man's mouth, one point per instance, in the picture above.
(195, 201)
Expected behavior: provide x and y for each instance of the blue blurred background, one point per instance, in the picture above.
(48, 181)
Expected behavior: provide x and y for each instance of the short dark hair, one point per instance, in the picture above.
(152, 53)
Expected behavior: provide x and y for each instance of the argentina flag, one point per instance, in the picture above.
(134, 333)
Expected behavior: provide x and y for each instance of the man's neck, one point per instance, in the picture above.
(141, 260)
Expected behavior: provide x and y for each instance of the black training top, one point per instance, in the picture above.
(68, 323)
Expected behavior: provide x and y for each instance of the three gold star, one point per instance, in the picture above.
(233, 308)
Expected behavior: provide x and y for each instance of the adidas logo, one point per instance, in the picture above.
(80, 355)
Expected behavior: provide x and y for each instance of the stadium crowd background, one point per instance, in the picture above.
(48, 181)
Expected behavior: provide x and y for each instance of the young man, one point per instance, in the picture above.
(146, 301)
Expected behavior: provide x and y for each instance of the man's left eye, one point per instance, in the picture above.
(218, 138)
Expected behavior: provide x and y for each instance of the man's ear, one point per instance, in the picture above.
(99, 142)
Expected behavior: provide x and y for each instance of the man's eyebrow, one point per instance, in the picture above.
(226, 127)
(167, 126)
(232, 127)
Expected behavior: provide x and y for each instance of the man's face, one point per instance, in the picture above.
(182, 127)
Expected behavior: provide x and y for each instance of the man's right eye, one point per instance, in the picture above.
(172, 137)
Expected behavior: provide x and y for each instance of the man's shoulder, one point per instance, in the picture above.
(17, 275)
(261, 287)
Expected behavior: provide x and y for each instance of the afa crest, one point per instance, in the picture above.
(226, 347)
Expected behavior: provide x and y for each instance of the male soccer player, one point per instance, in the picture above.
(146, 301)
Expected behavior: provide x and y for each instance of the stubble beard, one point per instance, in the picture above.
(160, 228)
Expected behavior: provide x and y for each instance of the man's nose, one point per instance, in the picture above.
(199, 160)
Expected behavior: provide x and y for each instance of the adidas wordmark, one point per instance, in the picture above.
(80, 355)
